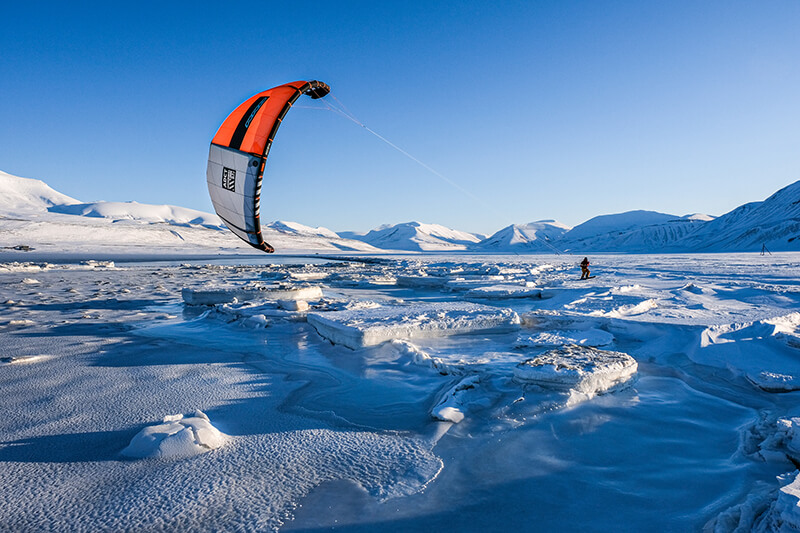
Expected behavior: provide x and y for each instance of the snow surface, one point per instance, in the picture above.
(667, 386)
(689, 402)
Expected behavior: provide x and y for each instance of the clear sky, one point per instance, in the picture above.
(538, 110)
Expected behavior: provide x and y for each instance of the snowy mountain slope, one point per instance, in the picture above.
(145, 213)
(416, 236)
(293, 228)
(647, 239)
(28, 194)
(33, 214)
(617, 223)
(775, 222)
(532, 237)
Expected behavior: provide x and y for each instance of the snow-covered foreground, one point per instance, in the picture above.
(450, 393)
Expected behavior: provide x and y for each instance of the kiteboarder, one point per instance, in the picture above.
(585, 268)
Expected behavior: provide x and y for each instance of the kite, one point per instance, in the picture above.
(238, 155)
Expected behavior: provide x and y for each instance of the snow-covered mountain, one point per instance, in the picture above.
(416, 236)
(293, 228)
(25, 194)
(620, 222)
(774, 223)
(532, 237)
(634, 232)
(32, 214)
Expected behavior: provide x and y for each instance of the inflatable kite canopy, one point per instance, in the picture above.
(238, 155)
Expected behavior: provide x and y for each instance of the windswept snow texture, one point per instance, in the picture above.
(380, 393)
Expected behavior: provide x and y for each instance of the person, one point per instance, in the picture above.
(585, 268)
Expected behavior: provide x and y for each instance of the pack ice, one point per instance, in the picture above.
(356, 328)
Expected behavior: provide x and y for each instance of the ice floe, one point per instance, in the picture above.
(582, 369)
(213, 296)
(505, 291)
(356, 328)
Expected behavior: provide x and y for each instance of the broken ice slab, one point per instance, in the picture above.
(581, 369)
(223, 296)
(505, 291)
(465, 284)
(356, 328)
(422, 282)
(588, 337)
(774, 381)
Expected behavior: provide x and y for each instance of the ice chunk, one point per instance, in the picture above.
(787, 507)
(505, 291)
(178, 436)
(784, 513)
(356, 328)
(581, 369)
(451, 406)
(423, 358)
(589, 337)
(784, 328)
(221, 296)
(421, 281)
(774, 381)
(256, 321)
(293, 305)
(628, 310)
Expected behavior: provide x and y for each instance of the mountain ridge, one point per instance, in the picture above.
(773, 223)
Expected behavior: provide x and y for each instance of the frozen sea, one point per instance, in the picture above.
(401, 393)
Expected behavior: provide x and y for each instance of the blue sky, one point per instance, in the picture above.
(538, 110)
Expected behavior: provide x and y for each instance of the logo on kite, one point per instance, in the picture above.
(228, 179)
(241, 145)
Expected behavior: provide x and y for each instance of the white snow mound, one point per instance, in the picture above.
(170, 214)
(177, 437)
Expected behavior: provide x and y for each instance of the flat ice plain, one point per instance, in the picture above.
(401, 393)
